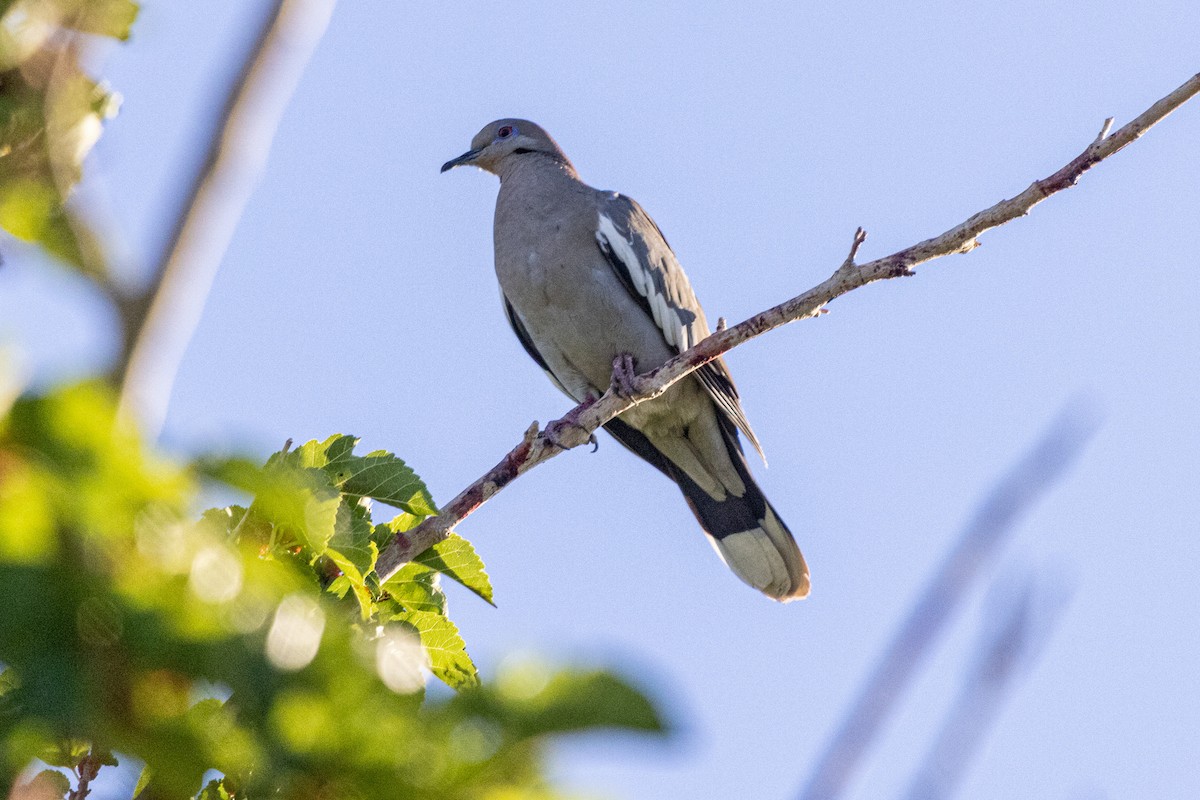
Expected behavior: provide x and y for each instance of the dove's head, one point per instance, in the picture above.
(501, 141)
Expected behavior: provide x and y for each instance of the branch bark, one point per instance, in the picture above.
(579, 424)
(160, 322)
(87, 770)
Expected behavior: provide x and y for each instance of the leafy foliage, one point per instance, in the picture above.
(255, 640)
(51, 114)
(313, 504)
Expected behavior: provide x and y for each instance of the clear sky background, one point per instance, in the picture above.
(358, 296)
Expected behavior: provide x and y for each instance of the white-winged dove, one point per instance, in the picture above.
(586, 276)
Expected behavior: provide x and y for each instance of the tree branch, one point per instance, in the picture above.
(160, 323)
(1003, 654)
(995, 519)
(536, 448)
(87, 770)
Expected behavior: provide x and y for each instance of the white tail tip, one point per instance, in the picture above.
(767, 558)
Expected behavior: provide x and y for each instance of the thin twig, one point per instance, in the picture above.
(162, 326)
(1005, 653)
(860, 236)
(994, 521)
(960, 239)
(88, 769)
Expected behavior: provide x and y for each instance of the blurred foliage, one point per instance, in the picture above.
(252, 642)
(51, 114)
(255, 640)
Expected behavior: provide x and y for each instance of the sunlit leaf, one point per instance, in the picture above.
(354, 553)
(415, 586)
(456, 558)
(379, 475)
(300, 503)
(213, 790)
(352, 539)
(51, 115)
(162, 636)
(66, 753)
(448, 658)
(26, 207)
(142, 782)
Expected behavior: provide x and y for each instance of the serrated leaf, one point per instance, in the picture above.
(379, 475)
(448, 659)
(354, 553)
(349, 580)
(299, 502)
(47, 783)
(416, 588)
(352, 539)
(456, 558)
(316, 454)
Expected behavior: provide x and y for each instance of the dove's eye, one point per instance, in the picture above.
(505, 132)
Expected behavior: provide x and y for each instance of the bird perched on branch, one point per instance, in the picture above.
(586, 276)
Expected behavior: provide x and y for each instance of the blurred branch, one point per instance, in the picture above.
(87, 770)
(162, 321)
(993, 522)
(1005, 653)
(577, 426)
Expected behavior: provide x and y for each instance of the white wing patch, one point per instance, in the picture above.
(668, 321)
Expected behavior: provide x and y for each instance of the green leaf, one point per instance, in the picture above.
(47, 783)
(26, 208)
(52, 112)
(67, 753)
(349, 581)
(114, 578)
(299, 502)
(534, 702)
(448, 658)
(416, 588)
(213, 790)
(104, 757)
(315, 454)
(143, 781)
(597, 699)
(354, 553)
(227, 520)
(113, 18)
(455, 558)
(352, 540)
(379, 475)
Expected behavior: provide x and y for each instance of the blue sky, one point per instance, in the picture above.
(358, 297)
